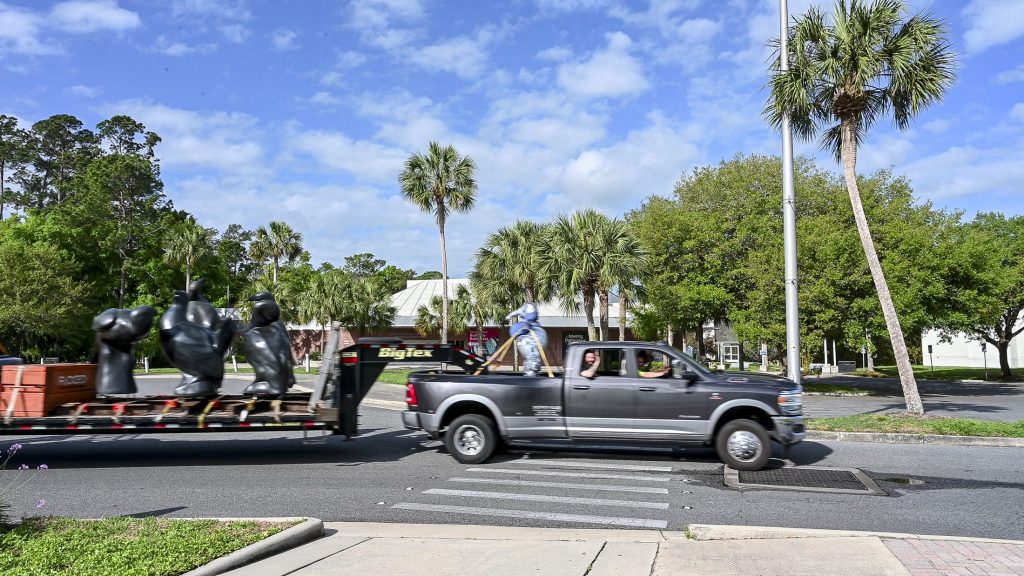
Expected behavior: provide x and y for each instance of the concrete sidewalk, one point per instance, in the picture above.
(370, 549)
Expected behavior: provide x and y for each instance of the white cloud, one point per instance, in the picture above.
(1017, 112)
(324, 98)
(883, 151)
(464, 56)
(284, 39)
(378, 21)
(555, 54)
(166, 46)
(608, 72)
(616, 177)
(962, 171)
(937, 126)
(572, 5)
(992, 22)
(85, 91)
(84, 16)
(228, 142)
(350, 59)
(218, 9)
(235, 33)
(1013, 75)
(19, 32)
(367, 161)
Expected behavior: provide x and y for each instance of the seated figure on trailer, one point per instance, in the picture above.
(529, 337)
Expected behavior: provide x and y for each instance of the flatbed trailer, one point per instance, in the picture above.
(332, 406)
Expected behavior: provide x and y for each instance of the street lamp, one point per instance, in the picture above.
(789, 216)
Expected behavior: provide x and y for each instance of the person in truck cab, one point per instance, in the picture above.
(645, 368)
(591, 362)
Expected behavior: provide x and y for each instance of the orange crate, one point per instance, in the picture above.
(44, 387)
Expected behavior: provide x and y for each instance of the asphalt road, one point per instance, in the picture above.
(392, 475)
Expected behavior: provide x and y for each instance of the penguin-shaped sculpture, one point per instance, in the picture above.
(193, 349)
(199, 310)
(268, 348)
(117, 331)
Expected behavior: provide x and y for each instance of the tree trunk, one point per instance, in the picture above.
(444, 285)
(188, 276)
(480, 349)
(622, 317)
(892, 322)
(741, 356)
(699, 348)
(121, 285)
(588, 310)
(602, 297)
(276, 265)
(1004, 359)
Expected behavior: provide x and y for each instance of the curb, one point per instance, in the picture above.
(941, 439)
(297, 535)
(724, 532)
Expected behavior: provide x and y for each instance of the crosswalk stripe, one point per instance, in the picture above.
(594, 465)
(577, 518)
(599, 487)
(573, 474)
(545, 498)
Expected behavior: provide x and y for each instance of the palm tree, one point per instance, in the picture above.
(429, 318)
(508, 266)
(323, 300)
(439, 182)
(571, 256)
(630, 295)
(622, 262)
(366, 306)
(188, 245)
(278, 242)
(842, 77)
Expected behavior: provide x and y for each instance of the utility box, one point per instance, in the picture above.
(846, 366)
(44, 387)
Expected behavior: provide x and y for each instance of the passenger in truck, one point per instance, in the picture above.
(591, 362)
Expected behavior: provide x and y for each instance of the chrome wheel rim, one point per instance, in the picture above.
(469, 440)
(744, 446)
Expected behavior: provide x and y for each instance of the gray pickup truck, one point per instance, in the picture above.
(611, 392)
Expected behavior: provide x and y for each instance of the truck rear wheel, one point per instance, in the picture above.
(743, 445)
(471, 439)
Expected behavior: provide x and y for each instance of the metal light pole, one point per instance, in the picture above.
(789, 216)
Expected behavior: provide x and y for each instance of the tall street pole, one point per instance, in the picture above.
(789, 217)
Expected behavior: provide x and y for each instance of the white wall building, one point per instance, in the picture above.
(966, 352)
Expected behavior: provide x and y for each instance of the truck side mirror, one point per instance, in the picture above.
(679, 371)
(677, 368)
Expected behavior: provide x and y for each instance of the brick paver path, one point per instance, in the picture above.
(957, 558)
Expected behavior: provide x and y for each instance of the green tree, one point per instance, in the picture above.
(429, 275)
(12, 154)
(275, 243)
(573, 257)
(985, 283)
(623, 261)
(232, 251)
(508, 266)
(429, 318)
(363, 265)
(439, 182)
(57, 150)
(124, 135)
(323, 300)
(367, 306)
(393, 278)
(842, 77)
(189, 244)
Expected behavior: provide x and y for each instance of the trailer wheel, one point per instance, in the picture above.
(471, 439)
(743, 445)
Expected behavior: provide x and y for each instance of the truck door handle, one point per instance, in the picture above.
(581, 387)
(647, 389)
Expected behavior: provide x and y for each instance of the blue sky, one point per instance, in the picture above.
(305, 111)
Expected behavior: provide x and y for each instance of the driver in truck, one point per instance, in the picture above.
(645, 368)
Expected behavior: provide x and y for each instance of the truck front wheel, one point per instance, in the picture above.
(471, 439)
(743, 445)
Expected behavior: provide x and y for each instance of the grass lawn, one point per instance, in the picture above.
(394, 376)
(122, 545)
(909, 424)
(951, 373)
(834, 389)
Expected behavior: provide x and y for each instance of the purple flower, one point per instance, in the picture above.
(40, 503)
(14, 448)
(44, 467)
(23, 467)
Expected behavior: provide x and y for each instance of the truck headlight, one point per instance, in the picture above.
(791, 402)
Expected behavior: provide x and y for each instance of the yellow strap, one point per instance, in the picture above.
(248, 408)
(499, 354)
(209, 406)
(276, 404)
(542, 354)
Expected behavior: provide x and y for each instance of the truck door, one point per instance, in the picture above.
(667, 407)
(603, 405)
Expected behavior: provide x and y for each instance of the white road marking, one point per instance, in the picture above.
(573, 474)
(599, 487)
(545, 498)
(577, 518)
(594, 465)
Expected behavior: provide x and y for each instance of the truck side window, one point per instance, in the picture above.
(602, 362)
(653, 364)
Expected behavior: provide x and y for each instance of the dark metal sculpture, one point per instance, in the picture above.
(268, 348)
(194, 338)
(117, 331)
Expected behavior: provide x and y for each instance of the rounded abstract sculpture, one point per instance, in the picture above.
(268, 348)
(117, 331)
(195, 347)
(529, 336)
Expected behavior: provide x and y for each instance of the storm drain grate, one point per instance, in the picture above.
(805, 478)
